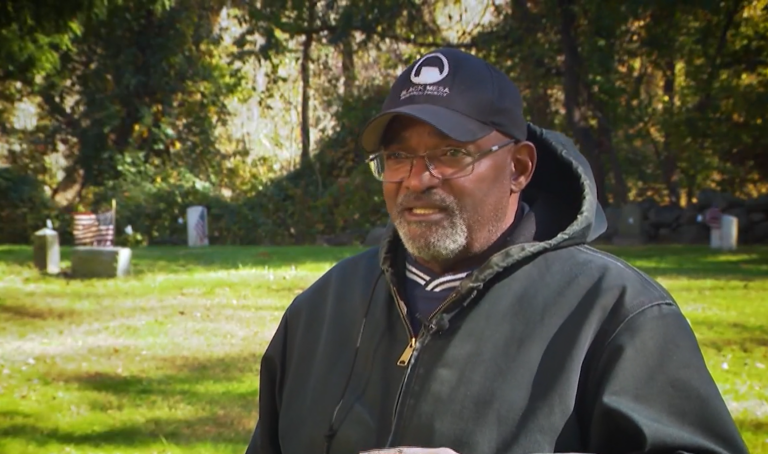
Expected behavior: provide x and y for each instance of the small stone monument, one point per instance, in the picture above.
(92, 261)
(197, 226)
(713, 218)
(729, 232)
(630, 226)
(725, 237)
(45, 250)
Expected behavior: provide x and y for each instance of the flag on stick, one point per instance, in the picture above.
(92, 229)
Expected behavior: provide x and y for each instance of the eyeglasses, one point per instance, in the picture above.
(445, 163)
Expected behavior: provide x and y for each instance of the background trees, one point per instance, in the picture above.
(253, 106)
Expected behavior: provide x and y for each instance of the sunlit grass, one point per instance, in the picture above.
(166, 361)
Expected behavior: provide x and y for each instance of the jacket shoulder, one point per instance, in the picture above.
(349, 277)
(611, 271)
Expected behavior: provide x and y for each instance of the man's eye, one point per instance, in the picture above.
(396, 156)
(455, 153)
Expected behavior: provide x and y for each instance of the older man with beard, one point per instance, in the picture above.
(484, 323)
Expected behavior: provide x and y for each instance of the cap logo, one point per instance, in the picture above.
(430, 69)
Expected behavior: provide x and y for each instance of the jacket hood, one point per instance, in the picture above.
(562, 192)
(564, 210)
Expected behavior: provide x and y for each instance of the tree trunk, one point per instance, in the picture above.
(575, 111)
(539, 106)
(306, 68)
(620, 191)
(532, 73)
(348, 65)
(669, 161)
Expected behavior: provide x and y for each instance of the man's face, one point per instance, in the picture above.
(442, 221)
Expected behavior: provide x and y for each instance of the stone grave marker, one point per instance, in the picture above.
(45, 250)
(93, 261)
(630, 226)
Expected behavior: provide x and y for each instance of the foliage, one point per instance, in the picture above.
(128, 98)
(148, 101)
(664, 93)
(24, 206)
(32, 33)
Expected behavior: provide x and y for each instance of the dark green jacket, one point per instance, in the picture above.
(550, 346)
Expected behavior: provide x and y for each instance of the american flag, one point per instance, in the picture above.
(94, 229)
(201, 229)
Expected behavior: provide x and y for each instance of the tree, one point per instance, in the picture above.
(141, 88)
(274, 25)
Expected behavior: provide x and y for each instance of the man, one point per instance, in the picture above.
(484, 324)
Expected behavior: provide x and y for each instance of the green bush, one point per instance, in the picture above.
(24, 206)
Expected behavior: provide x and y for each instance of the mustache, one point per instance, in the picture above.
(442, 201)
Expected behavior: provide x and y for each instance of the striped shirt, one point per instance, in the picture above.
(425, 291)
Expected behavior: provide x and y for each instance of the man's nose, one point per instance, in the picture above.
(421, 178)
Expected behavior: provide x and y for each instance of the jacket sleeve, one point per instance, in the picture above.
(265, 439)
(650, 391)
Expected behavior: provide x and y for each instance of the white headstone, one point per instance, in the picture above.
(46, 255)
(715, 237)
(725, 237)
(197, 226)
(729, 232)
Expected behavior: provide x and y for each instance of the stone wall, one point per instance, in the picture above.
(673, 224)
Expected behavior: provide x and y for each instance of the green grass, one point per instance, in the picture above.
(166, 361)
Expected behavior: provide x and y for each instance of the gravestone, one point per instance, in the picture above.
(45, 250)
(197, 226)
(729, 233)
(713, 219)
(630, 226)
(89, 262)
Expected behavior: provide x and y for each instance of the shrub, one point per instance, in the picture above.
(24, 206)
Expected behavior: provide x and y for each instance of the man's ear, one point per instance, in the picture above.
(523, 166)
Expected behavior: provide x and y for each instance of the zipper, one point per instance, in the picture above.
(444, 304)
(405, 357)
(408, 358)
(419, 342)
(407, 353)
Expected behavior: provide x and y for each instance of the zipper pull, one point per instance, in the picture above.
(406, 356)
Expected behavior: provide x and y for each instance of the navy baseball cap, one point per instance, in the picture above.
(460, 94)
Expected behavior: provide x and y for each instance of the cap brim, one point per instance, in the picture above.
(451, 123)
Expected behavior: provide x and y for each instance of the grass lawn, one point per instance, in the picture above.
(167, 361)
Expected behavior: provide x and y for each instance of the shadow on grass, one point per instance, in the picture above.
(722, 335)
(15, 255)
(174, 260)
(753, 425)
(10, 311)
(14, 414)
(696, 262)
(755, 432)
(169, 260)
(173, 431)
(693, 262)
(218, 399)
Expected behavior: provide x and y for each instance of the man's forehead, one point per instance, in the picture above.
(401, 128)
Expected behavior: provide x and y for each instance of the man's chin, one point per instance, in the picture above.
(431, 244)
(420, 232)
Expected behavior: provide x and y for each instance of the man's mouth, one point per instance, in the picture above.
(424, 214)
(423, 211)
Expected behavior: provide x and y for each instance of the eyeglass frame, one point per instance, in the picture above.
(430, 167)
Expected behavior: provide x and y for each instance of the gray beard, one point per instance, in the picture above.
(435, 242)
